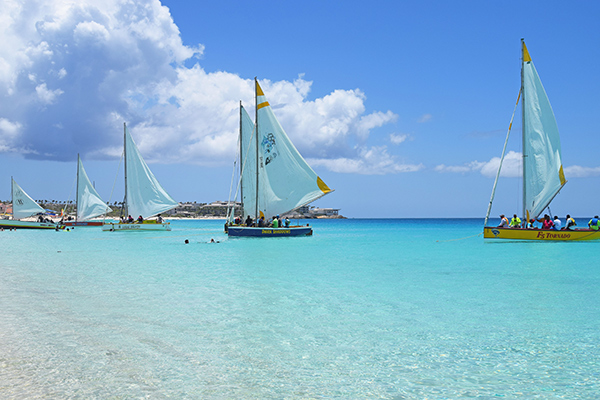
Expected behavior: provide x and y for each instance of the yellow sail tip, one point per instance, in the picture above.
(259, 91)
(324, 188)
(561, 175)
(526, 56)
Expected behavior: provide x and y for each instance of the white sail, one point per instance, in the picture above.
(542, 166)
(248, 163)
(23, 205)
(89, 203)
(285, 180)
(144, 195)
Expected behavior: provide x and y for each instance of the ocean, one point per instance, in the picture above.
(363, 309)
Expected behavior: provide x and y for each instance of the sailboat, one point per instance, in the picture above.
(274, 178)
(543, 175)
(89, 203)
(24, 206)
(144, 196)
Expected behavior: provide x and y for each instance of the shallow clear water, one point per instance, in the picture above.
(391, 309)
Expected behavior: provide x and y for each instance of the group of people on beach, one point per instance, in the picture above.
(547, 223)
(275, 222)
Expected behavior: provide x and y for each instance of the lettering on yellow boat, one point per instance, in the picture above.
(551, 235)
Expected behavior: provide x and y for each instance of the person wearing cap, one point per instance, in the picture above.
(503, 221)
(515, 222)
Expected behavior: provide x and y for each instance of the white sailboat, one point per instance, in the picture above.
(23, 206)
(89, 203)
(275, 179)
(144, 196)
(543, 175)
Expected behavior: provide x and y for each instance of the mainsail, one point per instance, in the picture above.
(543, 175)
(248, 163)
(89, 203)
(285, 180)
(143, 194)
(23, 205)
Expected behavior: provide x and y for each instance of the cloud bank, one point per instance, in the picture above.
(512, 168)
(72, 72)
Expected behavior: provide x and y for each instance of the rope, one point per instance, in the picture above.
(115, 182)
(454, 240)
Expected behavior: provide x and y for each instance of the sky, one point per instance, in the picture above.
(401, 107)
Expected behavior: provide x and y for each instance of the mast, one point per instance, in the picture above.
(125, 157)
(256, 129)
(12, 195)
(523, 130)
(77, 190)
(241, 167)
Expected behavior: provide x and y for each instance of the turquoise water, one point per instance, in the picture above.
(389, 309)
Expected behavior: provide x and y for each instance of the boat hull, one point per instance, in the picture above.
(136, 227)
(245, 231)
(539, 234)
(16, 224)
(83, 223)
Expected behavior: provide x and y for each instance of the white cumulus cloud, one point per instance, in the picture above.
(371, 161)
(73, 72)
(397, 139)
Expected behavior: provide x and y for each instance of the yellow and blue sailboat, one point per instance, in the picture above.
(274, 178)
(543, 175)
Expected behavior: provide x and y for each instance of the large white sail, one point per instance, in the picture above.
(248, 163)
(144, 195)
(285, 180)
(542, 166)
(23, 205)
(89, 203)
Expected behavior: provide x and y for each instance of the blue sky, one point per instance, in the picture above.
(401, 107)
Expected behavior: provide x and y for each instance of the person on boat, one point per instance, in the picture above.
(275, 223)
(531, 224)
(557, 223)
(594, 223)
(503, 221)
(287, 222)
(130, 219)
(515, 222)
(261, 222)
(159, 219)
(248, 221)
(140, 220)
(569, 222)
(547, 222)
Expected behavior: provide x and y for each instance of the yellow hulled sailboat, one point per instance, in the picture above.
(543, 175)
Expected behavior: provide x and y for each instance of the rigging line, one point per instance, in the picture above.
(230, 189)
(454, 240)
(243, 166)
(70, 192)
(115, 182)
(489, 210)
